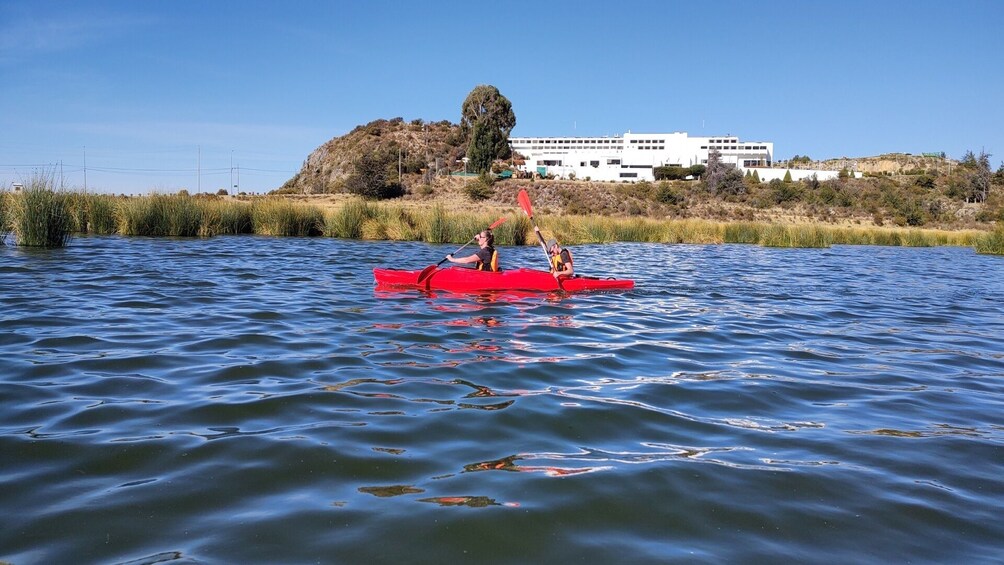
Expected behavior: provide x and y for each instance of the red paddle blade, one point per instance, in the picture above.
(497, 223)
(524, 202)
(425, 273)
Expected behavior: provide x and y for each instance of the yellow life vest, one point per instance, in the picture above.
(557, 264)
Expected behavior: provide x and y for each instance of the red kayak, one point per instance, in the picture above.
(461, 279)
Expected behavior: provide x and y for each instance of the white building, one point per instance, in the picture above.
(632, 157)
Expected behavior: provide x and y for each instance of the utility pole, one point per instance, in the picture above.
(85, 168)
(231, 170)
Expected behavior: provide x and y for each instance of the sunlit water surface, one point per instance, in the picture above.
(247, 399)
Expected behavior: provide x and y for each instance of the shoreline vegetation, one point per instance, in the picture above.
(39, 216)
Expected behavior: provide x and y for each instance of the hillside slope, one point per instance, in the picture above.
(419, 145)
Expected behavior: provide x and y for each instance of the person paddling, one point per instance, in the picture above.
(486, 258)
(561, 259)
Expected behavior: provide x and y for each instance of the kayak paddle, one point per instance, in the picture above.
(524, 203)
(428, 270)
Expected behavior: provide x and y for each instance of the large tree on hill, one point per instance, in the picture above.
(485, 105)
(481, 150)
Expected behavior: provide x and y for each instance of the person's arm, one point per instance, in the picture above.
(567, 269)
(462, 260)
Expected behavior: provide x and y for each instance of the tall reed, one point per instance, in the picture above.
(4, 229)
(40, 216)
(160, 215)
(991, 243)
(347, 222)
(226, 217)
(515, 231)
(435, 227)
(776, 235)
(275, 216)
(743, 232)
(694, 231)
(101, 214)
(399, 223)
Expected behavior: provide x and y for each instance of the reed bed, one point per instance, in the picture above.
(991, 243)
(101, 214)
(776, 235)
(347, 222)
(160, 215)
(743, 232)
(435, 226)
(226, 217)
(4, 229)
(279, 217)
(39, 216)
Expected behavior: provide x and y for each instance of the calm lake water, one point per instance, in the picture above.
(249, 399)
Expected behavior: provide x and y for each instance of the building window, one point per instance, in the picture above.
(613, 161)
(629, 175)
(594, 164)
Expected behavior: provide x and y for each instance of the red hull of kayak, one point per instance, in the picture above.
(459, 279)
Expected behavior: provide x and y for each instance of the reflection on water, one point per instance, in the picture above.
(257, 400)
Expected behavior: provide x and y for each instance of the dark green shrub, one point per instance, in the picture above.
(371, 179)
(480, 189)
(670, 173)
(669, 194)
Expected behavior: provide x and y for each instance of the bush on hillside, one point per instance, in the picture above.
(371, 179)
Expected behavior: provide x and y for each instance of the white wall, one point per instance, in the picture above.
(638, 153)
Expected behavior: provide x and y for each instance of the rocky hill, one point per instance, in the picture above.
(889, 163)
(421, 147)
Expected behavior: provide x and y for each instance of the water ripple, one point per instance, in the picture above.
(255, 399)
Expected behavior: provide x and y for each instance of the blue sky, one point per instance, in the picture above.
(151, 92)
